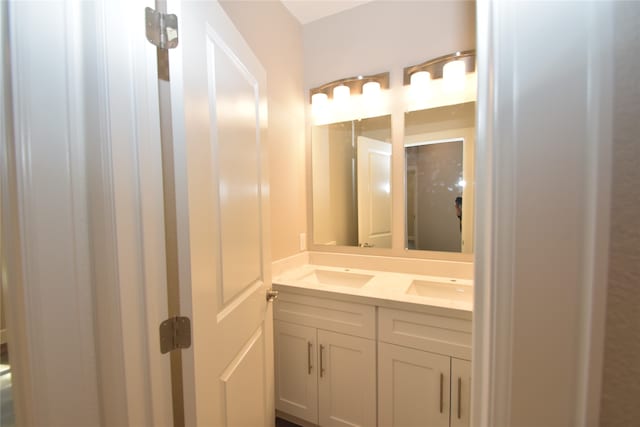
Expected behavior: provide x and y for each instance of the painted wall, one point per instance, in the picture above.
(278, 46)
(621, 374)
(385, 36)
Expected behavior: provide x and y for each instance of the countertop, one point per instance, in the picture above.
(386, 289)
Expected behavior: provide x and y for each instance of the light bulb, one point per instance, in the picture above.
(420, 82)
(341, 94)
(319, 99)
(371, 90)
(453, 74)
(319, 102)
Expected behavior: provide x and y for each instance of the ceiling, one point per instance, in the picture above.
(307, 11)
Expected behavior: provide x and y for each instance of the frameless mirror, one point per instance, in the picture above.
(439, 163)
(351, 183)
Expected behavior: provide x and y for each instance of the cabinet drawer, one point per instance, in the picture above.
(437, 334)
(344, 317)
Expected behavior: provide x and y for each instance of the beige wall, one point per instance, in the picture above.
(621, 374)
(385, 36)
(276, 39)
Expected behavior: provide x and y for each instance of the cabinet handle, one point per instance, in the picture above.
(321, 362)
(459, 397)
(441, 392)
(309, 345)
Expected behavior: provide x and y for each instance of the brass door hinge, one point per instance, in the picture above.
(175, 334)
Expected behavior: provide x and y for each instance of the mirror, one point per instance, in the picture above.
(439, 163)
(351, 183)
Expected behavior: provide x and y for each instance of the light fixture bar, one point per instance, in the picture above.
(435, 66)
(354, 83)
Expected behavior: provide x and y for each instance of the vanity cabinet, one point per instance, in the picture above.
(340, 363)
(421, 378)
(418, 388)
(325, 361)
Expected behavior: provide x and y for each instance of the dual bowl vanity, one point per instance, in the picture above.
(367, 347)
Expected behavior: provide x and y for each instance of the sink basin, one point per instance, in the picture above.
(336, 278)
(441, 290)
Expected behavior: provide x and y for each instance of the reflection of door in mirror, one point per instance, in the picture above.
(351, 183)
(374, 193)
(439, 194)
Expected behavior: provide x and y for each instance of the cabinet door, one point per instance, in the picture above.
(460, 392)
(347, 380)
(296, 370)
(413, 387)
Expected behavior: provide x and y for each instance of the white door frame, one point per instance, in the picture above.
(505, 295)
(84, 308)
(542, 211)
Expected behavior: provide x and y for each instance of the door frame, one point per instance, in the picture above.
(497, 294)
(514, 42)
(102, 73)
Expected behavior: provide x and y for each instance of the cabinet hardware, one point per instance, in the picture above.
(459, 397)
(441, 392)
(309, 345)
(321, 362)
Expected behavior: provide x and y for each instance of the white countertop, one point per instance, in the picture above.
(384, 289)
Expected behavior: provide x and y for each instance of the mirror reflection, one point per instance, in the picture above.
(439, 157)
(351, 183)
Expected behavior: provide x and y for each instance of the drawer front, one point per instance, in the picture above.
(344, 317)
(437, 334)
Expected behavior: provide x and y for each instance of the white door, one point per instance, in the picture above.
(460, 393)
(374, 192)
(218, 114)
(413, 387)
(347, 380)
(296, 370)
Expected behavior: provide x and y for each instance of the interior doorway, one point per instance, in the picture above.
(7, 415)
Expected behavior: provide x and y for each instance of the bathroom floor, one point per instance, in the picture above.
(284, 423)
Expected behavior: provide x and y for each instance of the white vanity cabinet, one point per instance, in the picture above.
(424, 372)
(325, 361)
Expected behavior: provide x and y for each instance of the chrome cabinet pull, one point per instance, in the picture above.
(321, 362)
(309, 345)
(441, 392)
(459, 397)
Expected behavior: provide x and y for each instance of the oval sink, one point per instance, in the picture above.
(441, 290)
(336, 278)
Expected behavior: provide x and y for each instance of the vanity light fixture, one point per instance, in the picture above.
(340, 90)
(452, 68)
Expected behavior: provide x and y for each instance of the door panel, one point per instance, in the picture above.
(374, 192)
(460, 393)
(347, 380)
(412, 384)
(218, 116)
(234, 92)
(296, 371)
(244, 394)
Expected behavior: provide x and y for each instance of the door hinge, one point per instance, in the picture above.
(161, 28)
(175, 333)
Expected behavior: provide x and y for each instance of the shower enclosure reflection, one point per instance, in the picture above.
(439, 157)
